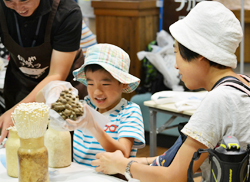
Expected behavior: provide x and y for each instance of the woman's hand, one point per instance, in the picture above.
(110, 162)
(5, 122)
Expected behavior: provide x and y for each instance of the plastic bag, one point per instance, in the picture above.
(51, 94)
(163, 58)
(52, 90)
(59, 124)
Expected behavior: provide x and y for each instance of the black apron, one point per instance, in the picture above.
(28, 66)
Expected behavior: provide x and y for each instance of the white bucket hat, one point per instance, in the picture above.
(113, 59)
(211, 30)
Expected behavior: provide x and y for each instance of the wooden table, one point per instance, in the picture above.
(164, 108)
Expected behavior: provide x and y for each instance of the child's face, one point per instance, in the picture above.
(104, 90)
(192, 72)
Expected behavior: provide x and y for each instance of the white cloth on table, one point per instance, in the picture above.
(183, 100)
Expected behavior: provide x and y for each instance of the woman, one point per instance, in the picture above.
(206, 41)
(42, 37)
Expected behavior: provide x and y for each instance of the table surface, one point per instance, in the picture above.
(74, 173)
(167, 107)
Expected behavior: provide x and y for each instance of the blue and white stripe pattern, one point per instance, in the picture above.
(88, 39)
(125, 121)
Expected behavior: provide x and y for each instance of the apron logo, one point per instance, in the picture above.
(29, 68)
(29, 62)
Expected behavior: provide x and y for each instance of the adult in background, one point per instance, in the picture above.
(43, 37)
(206, 41)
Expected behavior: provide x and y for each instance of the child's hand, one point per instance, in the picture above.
(109, 162)
(86, 121)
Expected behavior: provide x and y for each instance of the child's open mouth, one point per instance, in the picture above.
(100, 100)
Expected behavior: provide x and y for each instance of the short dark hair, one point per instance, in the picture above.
(188, 55)
(93, 68)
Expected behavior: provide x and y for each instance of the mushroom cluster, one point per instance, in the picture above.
(68, 105)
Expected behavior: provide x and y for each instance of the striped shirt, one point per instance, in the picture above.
(125, 121)
(87, 39)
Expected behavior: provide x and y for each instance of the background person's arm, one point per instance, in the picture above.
(60, 65)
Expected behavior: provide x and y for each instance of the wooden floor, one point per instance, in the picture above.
(144, 152)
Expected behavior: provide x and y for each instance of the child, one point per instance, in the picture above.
(105, 73)
(206, 41)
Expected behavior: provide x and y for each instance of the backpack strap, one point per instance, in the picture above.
(247, 78)
(237, 84)
(195, 157)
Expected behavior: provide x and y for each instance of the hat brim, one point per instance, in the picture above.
(123, 77)
(191, 39)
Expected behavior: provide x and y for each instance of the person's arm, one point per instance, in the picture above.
(111, 163)
(144, 160)
(111, 145)
(130, 129)
(131, 117)
(60, 65)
